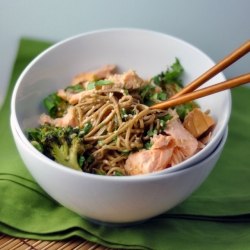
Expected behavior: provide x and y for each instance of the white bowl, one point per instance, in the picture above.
(115, 201)
(147, 52)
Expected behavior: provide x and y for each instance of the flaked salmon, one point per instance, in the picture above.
(152, 160)
(67, 120)
(101, 73)
(174, 146)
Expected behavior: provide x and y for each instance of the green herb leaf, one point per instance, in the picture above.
(103, 82)
(117, 173)
(37, 145)
(90, 159)
(157, 81)
(81, 160)
(123, 113)
(167, 117)
(148, 145)
(76, 88)
(181, 111)
(144, 90)
(92, 85)
(100, 172)
(172, 76)
(148, 102)
(163, 123)
(162, 96)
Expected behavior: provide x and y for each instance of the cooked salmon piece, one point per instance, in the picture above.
(152, 160)
(176, 145)
(184, 140)
(128, 80)
(65, 95)
(197, 122)
(67, 120)
(92, 76)
(74, 99)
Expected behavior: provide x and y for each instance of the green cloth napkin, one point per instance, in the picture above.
(216, 216)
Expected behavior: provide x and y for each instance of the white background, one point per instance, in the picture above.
(215, 26)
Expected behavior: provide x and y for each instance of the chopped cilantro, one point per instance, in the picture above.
(91, 85)
(117, 173)
(100, 172)
(81, 160)
(76, 88)
(123, 113)
(167, 117)
(115, 120)
(152, 132)
(145, 89)
(90, 159)
(182, 110)
(170, 76)
(163, 123)
(101, 124)
(148, 145)
(99, 141)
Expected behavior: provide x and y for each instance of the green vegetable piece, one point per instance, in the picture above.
(145, 89)
(157, 81)
(152, 132)
(90, 159)
(125, 152)
(103, 82)
(172, 76)
(181, 111)
(87, 127)
(100, 172)
(148, 145)
(76, 88)
(81, 160)
(55, 105)
(92, 85)
(61, 144)
(162, 96)
(37, 145)
(123, 113)
(117, 173)
(149, 102)
(167, 117)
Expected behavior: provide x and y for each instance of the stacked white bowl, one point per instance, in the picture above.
(127, 199)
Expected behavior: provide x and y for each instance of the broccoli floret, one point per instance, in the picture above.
(62, 144)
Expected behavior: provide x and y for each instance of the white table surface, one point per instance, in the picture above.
(216, 27)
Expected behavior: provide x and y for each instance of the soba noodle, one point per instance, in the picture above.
(102, 123)
(113, 134)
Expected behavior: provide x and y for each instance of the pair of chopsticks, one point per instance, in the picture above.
(186, 94)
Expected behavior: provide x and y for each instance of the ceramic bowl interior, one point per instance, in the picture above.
(147, 52)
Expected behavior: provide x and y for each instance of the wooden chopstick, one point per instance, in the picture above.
(223, 64)
(234, 82)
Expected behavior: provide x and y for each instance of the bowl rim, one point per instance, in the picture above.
(168, 170)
